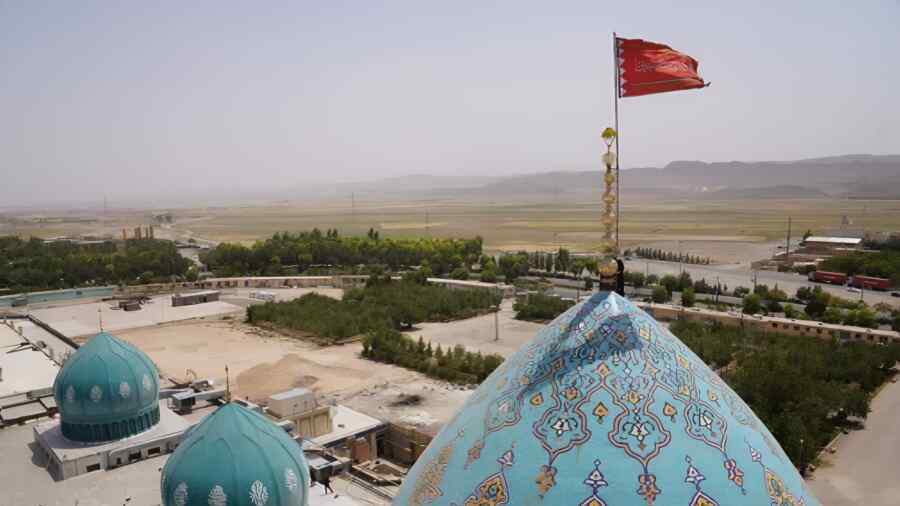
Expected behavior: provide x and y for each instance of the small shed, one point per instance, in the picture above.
(189, 299)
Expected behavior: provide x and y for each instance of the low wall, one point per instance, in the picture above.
(765, 324)
(56, 295)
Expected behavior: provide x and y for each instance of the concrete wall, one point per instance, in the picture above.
(804, 328)
(313, 423)
(404, 445)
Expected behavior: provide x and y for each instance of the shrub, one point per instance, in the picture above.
(540, 307)
(687, 297)
(752, 304)
(661, 295)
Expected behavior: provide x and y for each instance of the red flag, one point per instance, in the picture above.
(647, 67)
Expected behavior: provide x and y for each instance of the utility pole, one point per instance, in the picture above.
(680, 260)
(755, 276)
(497, 317)
(718, 289)
(787, 246)
(497, 324)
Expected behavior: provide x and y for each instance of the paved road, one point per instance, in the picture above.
(740, 275)
(864, 469)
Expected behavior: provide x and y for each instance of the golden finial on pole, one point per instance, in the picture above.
(608, 266)
(609, 219)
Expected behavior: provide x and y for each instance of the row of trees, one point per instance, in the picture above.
(303, 250)
(804, 390)
(382, 303)
(456, 365)
(669, 256)
(35, 265)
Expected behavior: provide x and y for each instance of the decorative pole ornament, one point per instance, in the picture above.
(609, 246)
(609, 266)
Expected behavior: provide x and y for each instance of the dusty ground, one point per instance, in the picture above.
(477, 334)
(260, 362)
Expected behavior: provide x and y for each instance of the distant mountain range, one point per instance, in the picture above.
(850, 176)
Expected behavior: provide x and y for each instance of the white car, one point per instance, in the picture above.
(853, 289)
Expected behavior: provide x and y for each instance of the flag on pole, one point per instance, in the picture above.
(648, 67)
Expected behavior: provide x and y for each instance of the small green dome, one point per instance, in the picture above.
(236, 457)
(107, 390)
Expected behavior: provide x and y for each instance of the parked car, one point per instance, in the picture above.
(852, 289)
(895, 294)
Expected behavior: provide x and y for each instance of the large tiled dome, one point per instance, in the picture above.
(236, 457)
(604, 407)
(107, 390)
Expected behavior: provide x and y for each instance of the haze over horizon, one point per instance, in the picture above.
(144, 101)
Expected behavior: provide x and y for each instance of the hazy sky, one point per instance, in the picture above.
(134, 100)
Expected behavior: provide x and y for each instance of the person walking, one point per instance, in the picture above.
(326, 482)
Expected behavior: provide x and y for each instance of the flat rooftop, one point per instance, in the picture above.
(24, 368)
(289, 394)
(83, 319)
(347, 422)
(51, 434)
(833, 240)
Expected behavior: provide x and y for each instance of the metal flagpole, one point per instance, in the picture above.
(616, 126)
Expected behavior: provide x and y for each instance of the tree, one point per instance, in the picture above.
(459, 273)
(661, 295)
(752, 304)
(489, 274)
(790, 311)
(687, 297)
(635, 279)
(670, 282)
(896, 323)
(831, 314)
(816, 307)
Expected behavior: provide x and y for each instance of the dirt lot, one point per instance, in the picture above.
(477, 334)
(262, 363)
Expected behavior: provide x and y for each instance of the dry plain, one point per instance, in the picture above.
(720, 229)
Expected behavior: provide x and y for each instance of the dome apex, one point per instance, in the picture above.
(106, 390)
(604, 407)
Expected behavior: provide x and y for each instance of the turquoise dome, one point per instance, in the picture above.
(107, 390)
(604, 407)
(236, 457)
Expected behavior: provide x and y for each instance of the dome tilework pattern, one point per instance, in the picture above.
(236, 457)
(604, 407)
(107, 390)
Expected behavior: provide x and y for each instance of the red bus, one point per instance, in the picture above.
(834, 278)
(870, 283)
